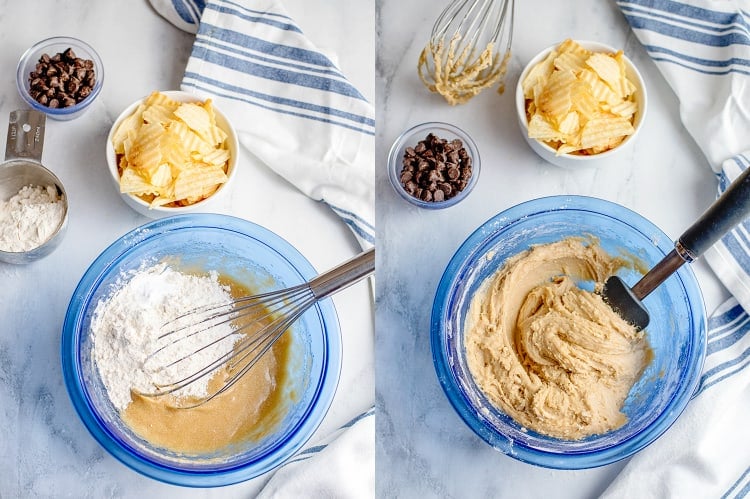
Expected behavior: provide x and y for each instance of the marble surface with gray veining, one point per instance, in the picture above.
(423, 447)
(45, 451)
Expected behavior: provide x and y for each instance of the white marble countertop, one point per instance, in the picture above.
(424, 450)
(45, 451)
(423, 447)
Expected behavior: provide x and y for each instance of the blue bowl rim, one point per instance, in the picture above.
(62, 111)
(461, 404)
(274, 457)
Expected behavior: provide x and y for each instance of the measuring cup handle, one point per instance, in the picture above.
(25, 135)
(732, 207)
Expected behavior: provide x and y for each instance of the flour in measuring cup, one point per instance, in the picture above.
(127, 323)
(30, 217)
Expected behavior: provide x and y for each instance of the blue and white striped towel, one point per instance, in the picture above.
(295, 111)
(291, 106)
(702, 47)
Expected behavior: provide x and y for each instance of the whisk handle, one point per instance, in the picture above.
(344, 275)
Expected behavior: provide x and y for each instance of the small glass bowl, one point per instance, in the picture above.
(249, 254)
(410, 138)
(52, 46)
(676, 333)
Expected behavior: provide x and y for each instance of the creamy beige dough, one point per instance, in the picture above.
(554, 357)
(460, 76)
(249, 410)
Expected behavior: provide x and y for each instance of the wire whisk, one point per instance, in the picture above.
(235, 335)
(468, 49)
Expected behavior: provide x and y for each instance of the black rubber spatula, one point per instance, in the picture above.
(732, 207)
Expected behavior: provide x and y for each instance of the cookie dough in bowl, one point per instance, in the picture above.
(553, 356)
(494, 353)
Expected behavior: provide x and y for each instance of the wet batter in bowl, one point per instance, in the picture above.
(553, 356)
(249, 410)
(124, 327)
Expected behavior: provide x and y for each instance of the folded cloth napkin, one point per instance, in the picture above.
(702, 47)
(327, 469)
(185, 14)
(291, 106)
(296, 112)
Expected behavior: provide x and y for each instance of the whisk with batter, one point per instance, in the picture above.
(257, 322)
(468, 49)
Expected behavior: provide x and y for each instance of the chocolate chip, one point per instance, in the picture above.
(69, 55)
(446, 188)
(62, 80)
(435, 169)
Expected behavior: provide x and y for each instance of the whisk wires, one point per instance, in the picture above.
(468, 49)
(257, 322)
(228, 340)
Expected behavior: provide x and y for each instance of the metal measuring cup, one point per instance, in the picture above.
(22, 167)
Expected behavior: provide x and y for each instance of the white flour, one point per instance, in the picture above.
(30, 217)
(127, 323)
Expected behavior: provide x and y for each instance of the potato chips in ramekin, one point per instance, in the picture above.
(580, 102)
(171, 152)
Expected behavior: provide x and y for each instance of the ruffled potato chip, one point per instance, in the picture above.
(171, 153)
(555, 102)
(608, 70)
(126, 126)
(541, 129)
(605, 131)
(194, 183)
(579, 101)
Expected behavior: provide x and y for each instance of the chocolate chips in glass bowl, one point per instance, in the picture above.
(433, 165)
(61, 80)
(436, 169)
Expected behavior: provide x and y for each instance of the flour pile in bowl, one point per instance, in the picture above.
(209, 414)
(127, 325)
(30, 217)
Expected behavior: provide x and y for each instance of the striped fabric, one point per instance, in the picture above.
(185, 14)
(728, 347)
(730, 257)
(295, 111)
(702, 47)
(291, 106)
(740, 488)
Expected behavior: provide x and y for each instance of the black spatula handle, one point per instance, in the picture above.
(732, 207)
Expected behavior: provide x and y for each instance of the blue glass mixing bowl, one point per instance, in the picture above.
(677, 333)
(251, 255)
